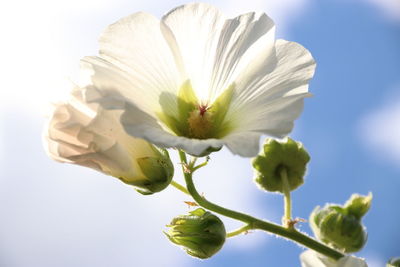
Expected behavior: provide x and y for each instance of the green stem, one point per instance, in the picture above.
(201, 165)
(180, 187)
(255, 223)
(288, 203)
(238, 231)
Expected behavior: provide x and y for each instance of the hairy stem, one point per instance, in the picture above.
(288, 202)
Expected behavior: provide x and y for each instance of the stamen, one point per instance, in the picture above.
(200, 122)
(203, 109)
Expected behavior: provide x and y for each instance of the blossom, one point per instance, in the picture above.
(196, 80)
(83, 132)
(311, 258)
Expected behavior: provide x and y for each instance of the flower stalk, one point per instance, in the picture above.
(255, 223)
(243, 229)
(180, 187)
(287, 200)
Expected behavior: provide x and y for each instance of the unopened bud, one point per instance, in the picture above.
(340, 226)
(276, 157)
(201, 234)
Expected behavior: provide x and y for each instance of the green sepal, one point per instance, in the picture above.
(158, 171)
(186, 102)
(275, 156)
(201, 234)
(358, 205)
(218, 110)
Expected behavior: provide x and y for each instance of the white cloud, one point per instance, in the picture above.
(380, 130)
(391, 8)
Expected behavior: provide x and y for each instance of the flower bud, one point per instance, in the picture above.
(340, 226)
(83, 132)
(275, 157)
(358, 205)
(393, 262)
(201, 234)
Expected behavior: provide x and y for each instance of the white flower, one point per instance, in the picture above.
(311, 258)
(84, 133)
(197, 81)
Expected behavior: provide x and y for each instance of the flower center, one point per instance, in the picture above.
(194, 120)
(200, 122)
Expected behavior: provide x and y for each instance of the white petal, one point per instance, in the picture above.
(277, 121)
(197, 28)
(246, 41)
(245, 144)
(270, 103)
(136, 44)
(113, 81)
(216, 50)
(83, 133)
(311, 258)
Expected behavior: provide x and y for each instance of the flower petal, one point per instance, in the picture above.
(269, 103)
(246, 41)
(112, 81)
(137, 45)
(311, 258)
(86, 134)
(245, 144)
(196, 28)
(215, 50)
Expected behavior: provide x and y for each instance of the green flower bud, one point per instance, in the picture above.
(275, 158)
(201, 234)
(393, 262)
(340, 226)
(157, 169)
(358, 205)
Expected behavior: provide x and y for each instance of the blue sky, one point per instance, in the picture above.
(60, 215)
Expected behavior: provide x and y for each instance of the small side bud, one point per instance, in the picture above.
(157, 169)
(275, 157)
(393, 262)
(201, 234)
(358, 205)
(340, 226)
